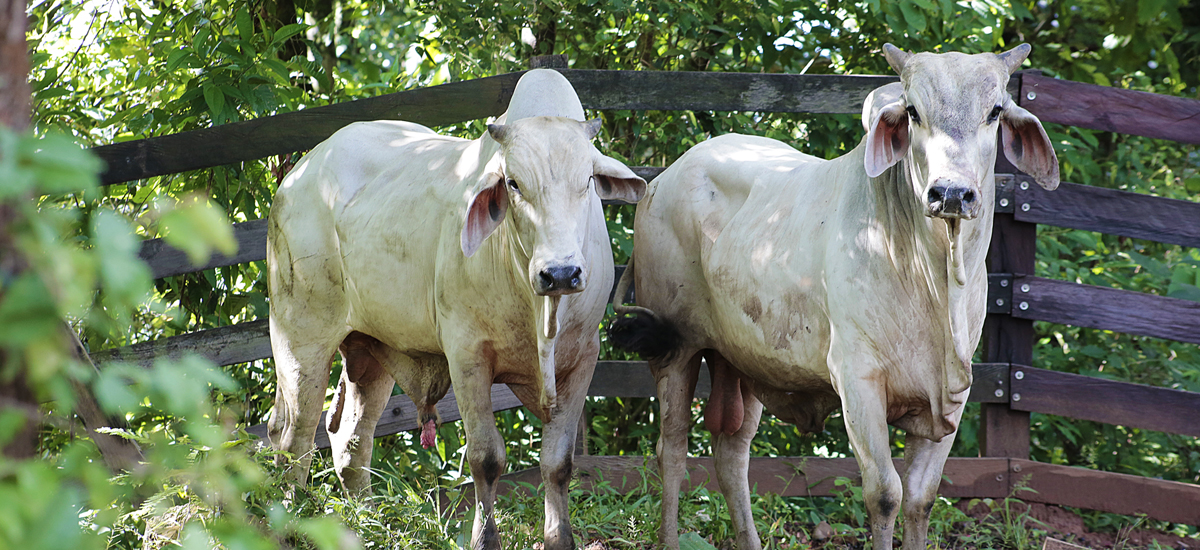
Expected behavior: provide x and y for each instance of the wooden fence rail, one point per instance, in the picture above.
(1078, 104)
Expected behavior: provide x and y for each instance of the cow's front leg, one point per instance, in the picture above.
(361, 395)
(485, 447)
(558, 446)
(732, 454)
(922, 477)
(676, 379)
(864, 406)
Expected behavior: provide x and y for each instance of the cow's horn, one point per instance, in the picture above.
(1014, 57)
(896, 57)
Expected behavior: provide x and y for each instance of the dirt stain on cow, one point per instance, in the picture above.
(753, 308)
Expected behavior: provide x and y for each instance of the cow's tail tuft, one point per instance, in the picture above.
(637, 329)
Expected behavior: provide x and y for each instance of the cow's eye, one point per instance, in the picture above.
(912, 113)
(995, 114)
(512, 184)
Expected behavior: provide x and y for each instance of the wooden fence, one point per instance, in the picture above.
(1007, 384)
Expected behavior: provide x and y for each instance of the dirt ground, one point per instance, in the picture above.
(1062, 524)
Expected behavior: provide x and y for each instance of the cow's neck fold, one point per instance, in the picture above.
(931, 258)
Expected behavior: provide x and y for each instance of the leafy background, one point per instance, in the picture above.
(108, 71)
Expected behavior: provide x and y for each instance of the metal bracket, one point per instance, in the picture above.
(1000, 293)
(1005, 193)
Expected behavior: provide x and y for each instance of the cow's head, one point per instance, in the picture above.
(944, 119)
(550, 177)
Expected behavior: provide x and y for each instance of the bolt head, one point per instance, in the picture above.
(1025, 207)
(999, 393)
(1031, 96)
(999, 477)
(1024, 306)
(1003, 282)
(1003, 202)
(1019, 375)
(1024, 185)
(1016, 397)
(1016, 467)
(1025, 287)
(1000, 301)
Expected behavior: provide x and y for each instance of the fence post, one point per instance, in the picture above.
(1004, 432)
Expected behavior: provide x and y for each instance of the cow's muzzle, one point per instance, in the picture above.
(952, 201)
(558, 280)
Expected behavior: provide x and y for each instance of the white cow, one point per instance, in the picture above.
(379, 245)
(809, 284)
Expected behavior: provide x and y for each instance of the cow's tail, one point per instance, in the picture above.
(637, 329)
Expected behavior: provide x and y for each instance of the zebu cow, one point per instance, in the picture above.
(379, 246)
(808, 284)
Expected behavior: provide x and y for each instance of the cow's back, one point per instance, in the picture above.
(728, 217)
(362, 219)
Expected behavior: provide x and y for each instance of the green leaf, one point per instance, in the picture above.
(215, 99)
(693, 541)
(913, 16)
(1149, 9)
(197, 227)
(1185, 291)
(287, 31)
(245, 25)
(176, 57)
(1192, 184)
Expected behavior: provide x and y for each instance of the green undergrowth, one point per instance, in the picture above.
(426, 505)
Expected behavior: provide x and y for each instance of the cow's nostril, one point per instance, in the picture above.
(547, 279)
(936, 194)
(968, 197)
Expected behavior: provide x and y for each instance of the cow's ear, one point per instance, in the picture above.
(499, 132)
(615, 181)
(887, 139)
(484, 213)
(1027, 146)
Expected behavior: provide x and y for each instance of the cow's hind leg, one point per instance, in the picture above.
(302, 374)
(676, 380)
(732, 454)
(922, 477)
(361, 395)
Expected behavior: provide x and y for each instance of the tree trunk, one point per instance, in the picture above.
(14, 113)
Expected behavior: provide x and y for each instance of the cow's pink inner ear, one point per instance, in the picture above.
(887, 141)
(484, 215)
(1028, 147)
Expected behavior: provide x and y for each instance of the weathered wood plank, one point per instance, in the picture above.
(227, 345)
(612, 379)
(1107, 401)
(167, 261)
(480, 98)
(1110, 109)
(715, 91)
(1110, 211)
(1004, 431)
(1107, 491)
(785, 476)
(400, 415)
(1090, 306)
(299, 130)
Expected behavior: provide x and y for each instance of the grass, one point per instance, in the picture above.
(425, 506)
